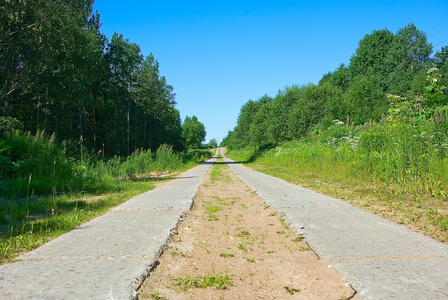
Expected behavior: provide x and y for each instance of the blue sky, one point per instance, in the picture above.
(219, 54)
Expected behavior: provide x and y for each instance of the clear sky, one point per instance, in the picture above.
(219, 54)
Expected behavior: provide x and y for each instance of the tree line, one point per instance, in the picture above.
(60, 74)
(384, 64)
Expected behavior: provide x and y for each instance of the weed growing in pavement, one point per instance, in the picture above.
(226, 255)
(304, 249)
(291, 290)
(298, 239)
(211, 210)
(157, 296)
(203, 281)
(243, 233)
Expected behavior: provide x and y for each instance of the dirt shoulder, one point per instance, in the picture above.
(233, 240)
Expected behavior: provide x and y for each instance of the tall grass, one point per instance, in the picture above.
(402, 167)
(45, 192)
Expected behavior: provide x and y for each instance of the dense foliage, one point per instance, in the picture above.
(74, 101)
(384, 64)
(59, 73)
(193, 132)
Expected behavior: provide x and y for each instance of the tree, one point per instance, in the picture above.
(193, 132)
(315, 104)
(374, 57)
(213, 143)
(241, 134)
(417, 48)
(155, 98)
(394, 58)
(364, 100)
(441, 63)
(339, 78)
(411, 52)
(123, 59)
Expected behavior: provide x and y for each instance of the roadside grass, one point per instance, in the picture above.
(30, 220)
(26, 226)
(398, 173)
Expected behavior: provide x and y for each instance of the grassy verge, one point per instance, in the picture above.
(28, 221)
(405, 183)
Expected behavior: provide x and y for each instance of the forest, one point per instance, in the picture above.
(59, 74)
(86, 122)
(69, 95)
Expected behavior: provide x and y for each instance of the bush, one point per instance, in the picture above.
(35, 164)
(9, 125)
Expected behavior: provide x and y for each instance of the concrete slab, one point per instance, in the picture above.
(73, 279)
(412, 278)
(280, 193)
(350, 232)
(177, 194)
(115, 235)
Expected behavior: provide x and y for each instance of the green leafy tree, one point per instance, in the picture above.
(315, 104)
(155, 99)
(242, 135)
(394, 58)
(374, 57)
(365, 100)
(213, 143)
(339, 78)
(411, 52)
(441, 63)
(124, 59)
(417, 48)
(193, 132)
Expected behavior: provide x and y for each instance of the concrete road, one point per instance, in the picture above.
(108, 257)
(382, 260)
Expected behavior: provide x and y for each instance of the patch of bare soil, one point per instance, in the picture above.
(232, 239)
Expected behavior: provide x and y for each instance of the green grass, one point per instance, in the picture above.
(298, 239)
(157, 296)
(203, 281)
(398, 172)
(226, 255)
(292, 290)
(69, 192)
